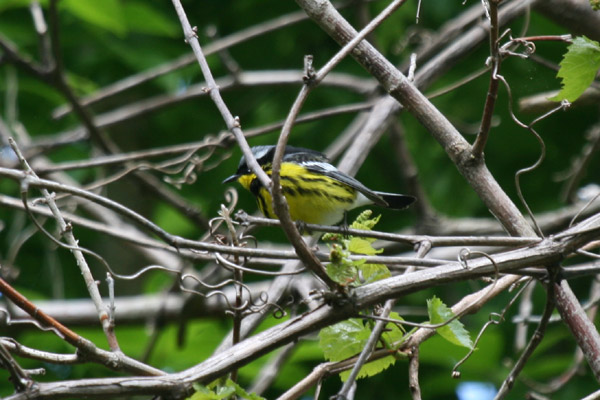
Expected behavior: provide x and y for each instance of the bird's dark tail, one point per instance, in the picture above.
(396, 201)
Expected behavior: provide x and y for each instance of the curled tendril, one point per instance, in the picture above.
(213, 225)
(233, 266)
(189, 163)
(262, 303)
(24, 198)
(465, 254)
(231, 309)
(202, 283)
(496, 318)
(143, 271)
(8, 321)
(231, 198)
(542, 156)
(279, 311)
(250, 305)
(243, 237)
(493, 318)
(262, 298)
(529, 50)
(85, 250)
(505, 49)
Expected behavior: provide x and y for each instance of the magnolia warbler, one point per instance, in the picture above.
(316, 191)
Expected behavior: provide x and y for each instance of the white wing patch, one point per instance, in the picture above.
(260, 151)
(319, 164)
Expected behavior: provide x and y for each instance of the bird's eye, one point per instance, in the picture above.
(243, 170)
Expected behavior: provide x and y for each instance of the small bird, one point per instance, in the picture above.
(316, 191)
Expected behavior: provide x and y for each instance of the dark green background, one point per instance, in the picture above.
(102, 42)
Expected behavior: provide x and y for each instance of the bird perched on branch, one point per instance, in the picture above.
(315, 190)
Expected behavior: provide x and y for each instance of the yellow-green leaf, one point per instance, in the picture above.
(578, 68)
(454, 332)
(344, 339)
(360, 245)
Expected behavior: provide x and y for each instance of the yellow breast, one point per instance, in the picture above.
(312, 198)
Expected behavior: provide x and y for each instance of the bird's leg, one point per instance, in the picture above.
(301, 226)
(345, 225)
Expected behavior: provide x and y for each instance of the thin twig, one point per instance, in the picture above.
(232, 122)
(114, 360)
(535, 340)
(413, 373)
(435, 241)
(365, 296)
(279, 203)
(66, 229)
(366, 351)
(18, 376)
(490, 101)
(580, 164)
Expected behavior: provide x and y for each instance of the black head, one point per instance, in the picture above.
(264, 157)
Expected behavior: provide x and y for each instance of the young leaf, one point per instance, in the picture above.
(348, 338)
(341, 269)
(373, 272)
(362, 246)
(370, 369)
(344, 339)
(205, 393)
(454, 332)
(364, 221)
(345, 271)
(219, 390)
(394, 332)
(241, 392)
(578, 68)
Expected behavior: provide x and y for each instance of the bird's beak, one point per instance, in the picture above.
(231, 178)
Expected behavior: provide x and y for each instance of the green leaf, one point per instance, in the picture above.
(370, 369)
(360, 245)
(454, 332)
(394, 332)
(373, 272)
(142, 18)
(578, 68)
(203, 393)
(240, 391)
(348, 338)
(344, 339)
(344, 273)
(224, 390)
(106, 14)
(364, 221)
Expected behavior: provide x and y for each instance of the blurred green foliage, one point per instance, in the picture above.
(105, 41)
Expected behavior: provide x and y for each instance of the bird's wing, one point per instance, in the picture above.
(329, 170)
